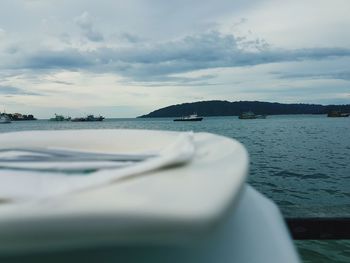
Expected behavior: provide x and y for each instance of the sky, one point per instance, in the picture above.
(126, 58)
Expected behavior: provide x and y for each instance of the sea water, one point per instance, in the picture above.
(302, 162)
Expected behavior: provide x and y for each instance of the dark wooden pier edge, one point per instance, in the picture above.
(313, 228)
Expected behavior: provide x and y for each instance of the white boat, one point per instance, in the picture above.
(192, 117)
(4, 119)
(60, 118)
(181, 197)
(247, 115)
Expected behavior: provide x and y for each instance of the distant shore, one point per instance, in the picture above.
(226, 108)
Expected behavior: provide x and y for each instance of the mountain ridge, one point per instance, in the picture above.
(227, 108)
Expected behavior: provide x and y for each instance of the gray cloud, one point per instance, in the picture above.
(206, 51)
(298, 91)
(130, 37)
(9, 91)
(161, 81)
(85, 22)
(47, 59)
(63, 82)
(341, 75)
(159, 61)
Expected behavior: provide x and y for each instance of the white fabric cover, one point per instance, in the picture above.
(21, 184)
(178, 197)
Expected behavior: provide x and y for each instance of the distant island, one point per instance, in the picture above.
(227, 108)
(19, 116)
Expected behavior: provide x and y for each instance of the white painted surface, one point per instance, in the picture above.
(176, 204)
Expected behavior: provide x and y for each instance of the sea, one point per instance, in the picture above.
(301, 162)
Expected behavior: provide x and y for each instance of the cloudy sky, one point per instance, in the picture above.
(125, 58)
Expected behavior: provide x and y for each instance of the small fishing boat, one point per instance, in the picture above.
(88, 118)
(4, 119)
(192, 117)
(250, 115)
(337, 114)
(60, 118)
(20, 117)
(247, 115)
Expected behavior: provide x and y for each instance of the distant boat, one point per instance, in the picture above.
(88, 118)
(250, 115)
(192, 117)
(4, 119)
(20, 117)
(337, 114)
(60, 118)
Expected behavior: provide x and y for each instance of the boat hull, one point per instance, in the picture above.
(252, 117)
(87, 119)
(194, 119)
(246, 118)
(343, 115)
(337, 114)
(4, 120)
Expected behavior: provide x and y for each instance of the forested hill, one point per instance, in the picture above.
(226, 108)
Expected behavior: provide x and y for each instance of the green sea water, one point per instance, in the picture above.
(302, 162)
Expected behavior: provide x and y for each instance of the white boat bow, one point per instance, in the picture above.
(190, 205)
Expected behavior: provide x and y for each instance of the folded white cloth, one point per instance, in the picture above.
(29, 173)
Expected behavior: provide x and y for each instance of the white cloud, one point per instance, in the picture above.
(299, 23)
(2, 33)
(85, 22)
